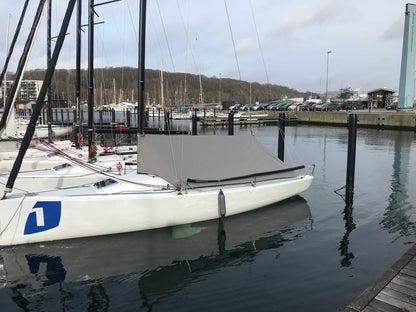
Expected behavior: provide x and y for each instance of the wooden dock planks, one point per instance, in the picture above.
(395, 290)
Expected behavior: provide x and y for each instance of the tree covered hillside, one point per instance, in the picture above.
(120, 84)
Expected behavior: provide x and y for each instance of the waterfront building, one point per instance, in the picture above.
(29, 89)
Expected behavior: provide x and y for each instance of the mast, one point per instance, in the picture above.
(4, 76)
(22, 64)
(90, 79)
(48, 62)
(16, 34)
(114, 90)
(91, 12)
(142, 38)
(39, 103)
(162, 98)
(201, 97)
(185, 93)
(78, 77)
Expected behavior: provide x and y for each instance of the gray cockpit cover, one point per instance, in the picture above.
(208, 160)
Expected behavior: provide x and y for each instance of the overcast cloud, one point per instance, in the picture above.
(194, 36)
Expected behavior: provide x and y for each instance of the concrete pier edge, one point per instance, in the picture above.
(377, 119)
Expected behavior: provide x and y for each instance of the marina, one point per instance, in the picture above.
(296, 201)
(277, 263)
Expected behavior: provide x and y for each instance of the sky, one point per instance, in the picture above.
(266, 41)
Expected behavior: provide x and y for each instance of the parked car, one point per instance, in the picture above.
(284, 106)
(392, 106)
(306, 106)
(293, 106)
(313, 106)
(254, 107)
(318, 106)
(236, 107)
(248, 106)
(331, 106)
(352, 105)
(272, 106)
(266, 105)
(262, 106)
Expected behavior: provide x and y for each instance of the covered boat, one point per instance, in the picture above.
(180, 180)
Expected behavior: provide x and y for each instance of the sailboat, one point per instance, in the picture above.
(71, 173)
(179, 180)
(162, 249)
(41, 130)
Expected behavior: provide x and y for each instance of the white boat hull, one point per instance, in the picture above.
(117, 255)
(47, 217)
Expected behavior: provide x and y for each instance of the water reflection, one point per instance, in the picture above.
(347, 256)
(397, 218)
(160, 261)
(98, 298)
(54, 272)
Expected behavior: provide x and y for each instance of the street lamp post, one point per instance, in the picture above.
(327, 69)
(219, 95)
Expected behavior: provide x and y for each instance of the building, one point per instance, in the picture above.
(29, 89)
(380, 98)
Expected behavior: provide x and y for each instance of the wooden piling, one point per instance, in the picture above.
(352, 142)
(194, 124)
(281, 137)
(231, 123)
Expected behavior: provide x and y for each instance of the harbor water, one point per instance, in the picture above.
(307, 253)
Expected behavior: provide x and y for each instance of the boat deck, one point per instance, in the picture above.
(395, 290)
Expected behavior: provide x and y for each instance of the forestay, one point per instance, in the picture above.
(209, 160)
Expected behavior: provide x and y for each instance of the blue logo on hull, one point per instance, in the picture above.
(46, 215)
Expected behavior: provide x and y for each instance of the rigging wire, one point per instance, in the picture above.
(90, 167)
(19, 208)
(188, 42)
(166, 37)
(232, 38)
(132, 22)
(156, 35)
(182, 96)
(261, 50)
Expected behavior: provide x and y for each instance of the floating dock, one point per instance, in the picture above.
(395, 290)
(269, 119)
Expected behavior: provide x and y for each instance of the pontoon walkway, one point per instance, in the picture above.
(395, 290)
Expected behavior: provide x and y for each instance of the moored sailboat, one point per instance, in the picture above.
(179, 180)
(71, 173)
(183, 190)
